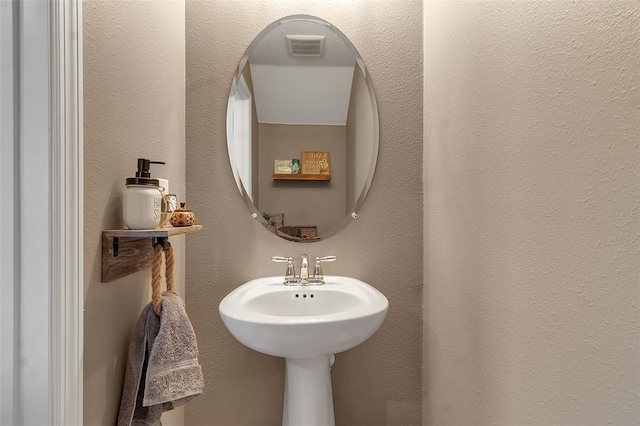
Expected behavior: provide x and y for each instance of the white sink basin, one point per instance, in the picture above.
(303, 321)
(306, 325)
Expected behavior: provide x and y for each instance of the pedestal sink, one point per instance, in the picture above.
(306, 325)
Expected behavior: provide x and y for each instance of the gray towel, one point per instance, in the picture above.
(162, 366)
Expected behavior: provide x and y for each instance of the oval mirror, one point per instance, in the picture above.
(302, 129)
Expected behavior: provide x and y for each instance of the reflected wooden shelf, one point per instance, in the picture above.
(297, 176)
(125, 251)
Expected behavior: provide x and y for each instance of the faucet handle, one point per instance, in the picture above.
(290, 274)
(318, 276)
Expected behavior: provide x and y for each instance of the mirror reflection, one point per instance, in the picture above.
(302, 128)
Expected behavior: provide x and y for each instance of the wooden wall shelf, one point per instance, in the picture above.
(125, 251)
(297, 176)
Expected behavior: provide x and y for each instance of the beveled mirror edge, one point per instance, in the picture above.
(351, 212)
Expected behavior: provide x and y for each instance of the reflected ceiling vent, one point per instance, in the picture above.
(305, 45)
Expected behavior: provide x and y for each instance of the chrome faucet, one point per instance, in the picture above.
(304, 269)
(318, 276)
(290, 277)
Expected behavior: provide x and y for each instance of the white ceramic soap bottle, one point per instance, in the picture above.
(142, 200)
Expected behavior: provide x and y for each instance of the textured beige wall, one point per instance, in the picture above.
(379, 382)
(134, 106)
(531, 213)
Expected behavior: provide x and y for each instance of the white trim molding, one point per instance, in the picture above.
(9, 235)
(66, 221)
(41, 319)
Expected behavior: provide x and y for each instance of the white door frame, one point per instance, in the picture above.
(41, 265)
(66, 248)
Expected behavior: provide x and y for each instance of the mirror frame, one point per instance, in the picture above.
(355, 208)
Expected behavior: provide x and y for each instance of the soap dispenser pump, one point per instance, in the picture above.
(142, 200)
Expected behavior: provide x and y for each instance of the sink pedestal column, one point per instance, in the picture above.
(307, 392)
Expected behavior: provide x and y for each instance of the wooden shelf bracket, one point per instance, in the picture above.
(127, 251)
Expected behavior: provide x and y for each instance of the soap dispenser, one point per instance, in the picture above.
(142, 200)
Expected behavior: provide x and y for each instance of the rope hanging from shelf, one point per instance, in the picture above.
(156, 275)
